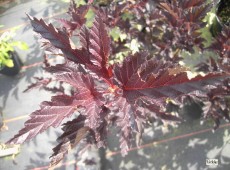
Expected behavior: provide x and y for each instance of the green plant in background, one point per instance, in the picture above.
(7, 45)
(223, 12)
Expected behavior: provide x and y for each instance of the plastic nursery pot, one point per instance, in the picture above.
(12, 71)
(223, 12)
(222, 17)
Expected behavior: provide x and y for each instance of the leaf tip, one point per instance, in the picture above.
(29, 16)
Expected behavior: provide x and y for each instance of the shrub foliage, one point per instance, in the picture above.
(128, 93)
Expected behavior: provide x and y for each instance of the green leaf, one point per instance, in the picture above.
(133, 46)
(127, 16)
(21, 45)
(115, 33)
(9, 63)
(90, 18)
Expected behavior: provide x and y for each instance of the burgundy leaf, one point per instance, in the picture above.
(77, 15)
(79, 19)
(99, 43)
(221, 46)
(49, 48)
(51, 114)
(85, 42)
(129, 70)
(196, 14)
(183, 20)
(74, 132)
(77, 80)
(167, 80)
(57, 38)
(216, 105)
(92, 110)
(156, 110)
(67, 67)
(171, 13)
(191, 3)
(68, 24)
(63, 106)
(88, 96)
(125, 115)
(59, 108)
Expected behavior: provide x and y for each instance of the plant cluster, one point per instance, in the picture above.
(7, 45)
(129, 93)
(223, 12)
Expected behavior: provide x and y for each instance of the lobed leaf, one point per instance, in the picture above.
(161, 80)
(51, 114)
(62, 106)
(59, 39)
(221, 46)
(128, 72)
(216, 105)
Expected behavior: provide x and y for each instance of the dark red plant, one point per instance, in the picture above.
(125, 94)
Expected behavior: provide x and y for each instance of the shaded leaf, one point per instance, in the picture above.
(124, 120)
(74, 132)
(191, 3)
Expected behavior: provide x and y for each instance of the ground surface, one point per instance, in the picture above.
(173, 150)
